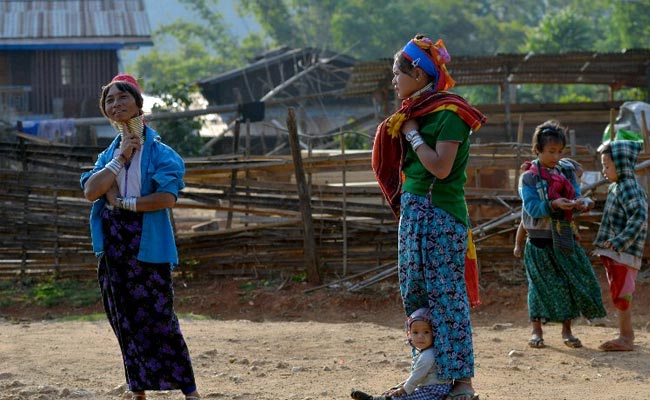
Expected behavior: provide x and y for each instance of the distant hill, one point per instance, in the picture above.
(165, 11)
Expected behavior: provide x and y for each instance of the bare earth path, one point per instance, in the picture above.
(323, 358)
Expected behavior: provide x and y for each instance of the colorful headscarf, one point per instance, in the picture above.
(431, 57)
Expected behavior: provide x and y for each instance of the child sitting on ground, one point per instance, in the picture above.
(422, 383)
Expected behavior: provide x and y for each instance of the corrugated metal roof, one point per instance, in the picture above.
(278, 56)
(629, 68)
(286, 70)
(45, 20)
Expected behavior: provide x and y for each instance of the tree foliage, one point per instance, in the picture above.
(295, 23)
(181, 134)
(205, 47)
(561, 31)
(630, 24)
(373, 29)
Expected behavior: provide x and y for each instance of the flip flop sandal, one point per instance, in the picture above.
(536, 342)
(457, 395)
(573, 342)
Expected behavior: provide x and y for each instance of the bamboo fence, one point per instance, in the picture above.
(241, 215)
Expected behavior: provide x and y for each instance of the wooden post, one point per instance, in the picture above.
(235, 150)
(612, 129)
(572, 142)
(263, 140)
(644, 132)
(311, 256)
(247, 138)
(22, 148)
(233, 175)
(344, 215)
(520, 139)
(507, 100)
(57, 258)
(247, 153)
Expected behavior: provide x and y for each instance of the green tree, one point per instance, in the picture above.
(369, 30)
(560, 32)
(382, 27)
(502, 25)
(191, 63)
(205, 45)
(295, 23)
(631, 24)
(181, 134)
(205, 48)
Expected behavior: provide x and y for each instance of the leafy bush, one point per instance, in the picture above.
(54, 292)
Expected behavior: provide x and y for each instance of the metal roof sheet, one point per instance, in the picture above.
(630, 68)
(44, 20)
(278, 56)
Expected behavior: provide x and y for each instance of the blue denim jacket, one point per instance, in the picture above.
(162, 171)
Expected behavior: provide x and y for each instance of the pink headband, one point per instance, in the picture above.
(127, 79)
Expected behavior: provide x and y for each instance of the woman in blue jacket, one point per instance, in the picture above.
(133, 185)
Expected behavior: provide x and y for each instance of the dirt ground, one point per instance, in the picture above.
(277, 342)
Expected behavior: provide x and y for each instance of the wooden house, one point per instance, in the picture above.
(55, 55)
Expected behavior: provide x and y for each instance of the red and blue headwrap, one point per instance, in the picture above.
(431, 57)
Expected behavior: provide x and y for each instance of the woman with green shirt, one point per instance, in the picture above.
(419, 158)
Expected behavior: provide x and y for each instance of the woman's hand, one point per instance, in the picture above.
(130, 144)
(112, 194)
(517, 251)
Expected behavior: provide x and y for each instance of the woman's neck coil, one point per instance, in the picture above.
(134, 125)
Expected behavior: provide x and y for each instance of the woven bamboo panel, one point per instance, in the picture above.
(240, 215)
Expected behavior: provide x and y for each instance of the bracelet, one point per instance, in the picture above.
(417, 142)
(414, 138)
(127, 203)
(410, 135)
(115, 165)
